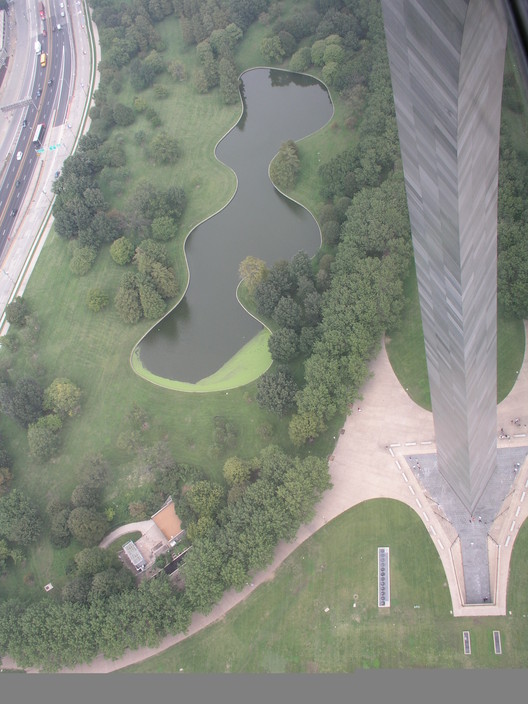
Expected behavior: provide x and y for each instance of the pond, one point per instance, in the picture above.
(209, 325)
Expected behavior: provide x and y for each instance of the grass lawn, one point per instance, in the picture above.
(93, 350)
(283, 626)
(406, 350)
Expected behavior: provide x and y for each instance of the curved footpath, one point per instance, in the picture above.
(141, 526)
(362, 468)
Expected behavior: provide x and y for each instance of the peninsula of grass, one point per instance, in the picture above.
(406, 350)
(247, 365)
(320, 613)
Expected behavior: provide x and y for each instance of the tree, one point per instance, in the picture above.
(204, 527)
(200, 81)
(312, 307)
(330, 72)
(205, 498)
(272, 50)
(301, 60)
(283, 345)
(267, 295)
(163, 228)
(123, 115)
(92, 560)
(82, 260)
(22, 401)
(202, 573)
(288, 314)
(303, 427)
(149, 251)
(285, 166)
(160, 91)
(63, 397)
(236, 471)
(17, 311)
(276, 391)
(228, 82)
(164, 280)
(331, 231)
(208, 63)
(317, 52)
(127, 301)
(43, 437)
(60, 534)
(87, 525)
(87, 496)
(110, 581)
(333, 53)
(152, 303)
(164, 149)
(253, 271)
(177, 71)
(76, 590)
(19, 521)
(301, 267)
(5, 478)
(122, 251)
(7, 552)
(97, 299)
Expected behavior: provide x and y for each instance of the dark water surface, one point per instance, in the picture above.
(209, 325)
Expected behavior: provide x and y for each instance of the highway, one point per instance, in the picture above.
(48, 91)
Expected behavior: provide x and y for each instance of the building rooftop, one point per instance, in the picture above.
(167, 520)
(133, 554)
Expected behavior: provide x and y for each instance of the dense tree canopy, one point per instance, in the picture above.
(19, 520)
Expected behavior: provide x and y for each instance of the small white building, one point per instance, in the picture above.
(135, 557)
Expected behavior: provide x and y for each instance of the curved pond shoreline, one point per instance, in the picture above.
(277, 235)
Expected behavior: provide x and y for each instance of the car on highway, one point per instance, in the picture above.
(39, 93)
(62, 9)
(57, 174)
(17, 183)
(59, 27)
(14, 212)
(24, 123)
(50, 82)
(19, 156)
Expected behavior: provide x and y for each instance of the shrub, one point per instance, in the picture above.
(82, 261)
(96, 300)
(122, 251)
(16, 312)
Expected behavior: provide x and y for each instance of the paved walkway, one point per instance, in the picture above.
(141, 526)
(368, 463)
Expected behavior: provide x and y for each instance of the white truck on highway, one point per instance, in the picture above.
(38, 47)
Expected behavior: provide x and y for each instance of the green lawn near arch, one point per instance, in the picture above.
(283, 625)
(406, 350)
